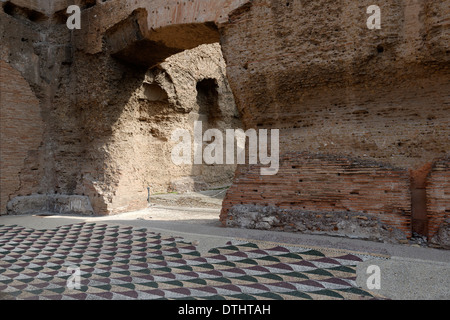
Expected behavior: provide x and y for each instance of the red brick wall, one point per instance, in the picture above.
(21, 130)
(438, 195)
(323, 183)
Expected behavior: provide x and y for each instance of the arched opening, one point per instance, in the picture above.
(185, 89)
(208, 99)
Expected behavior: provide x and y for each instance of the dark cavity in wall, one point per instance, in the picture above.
(208, 99)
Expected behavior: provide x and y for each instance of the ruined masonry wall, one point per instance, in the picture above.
(21, 130)
(438, 195)
(358, 110)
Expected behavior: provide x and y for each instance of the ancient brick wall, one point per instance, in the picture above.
(326, 184)
(21, 134)
(315, 71)
(438, 195)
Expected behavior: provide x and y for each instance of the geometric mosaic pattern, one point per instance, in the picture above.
(120, 262)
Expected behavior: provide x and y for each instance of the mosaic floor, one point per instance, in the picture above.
(120, 262)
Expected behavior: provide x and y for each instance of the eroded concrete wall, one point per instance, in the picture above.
(104, 134)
